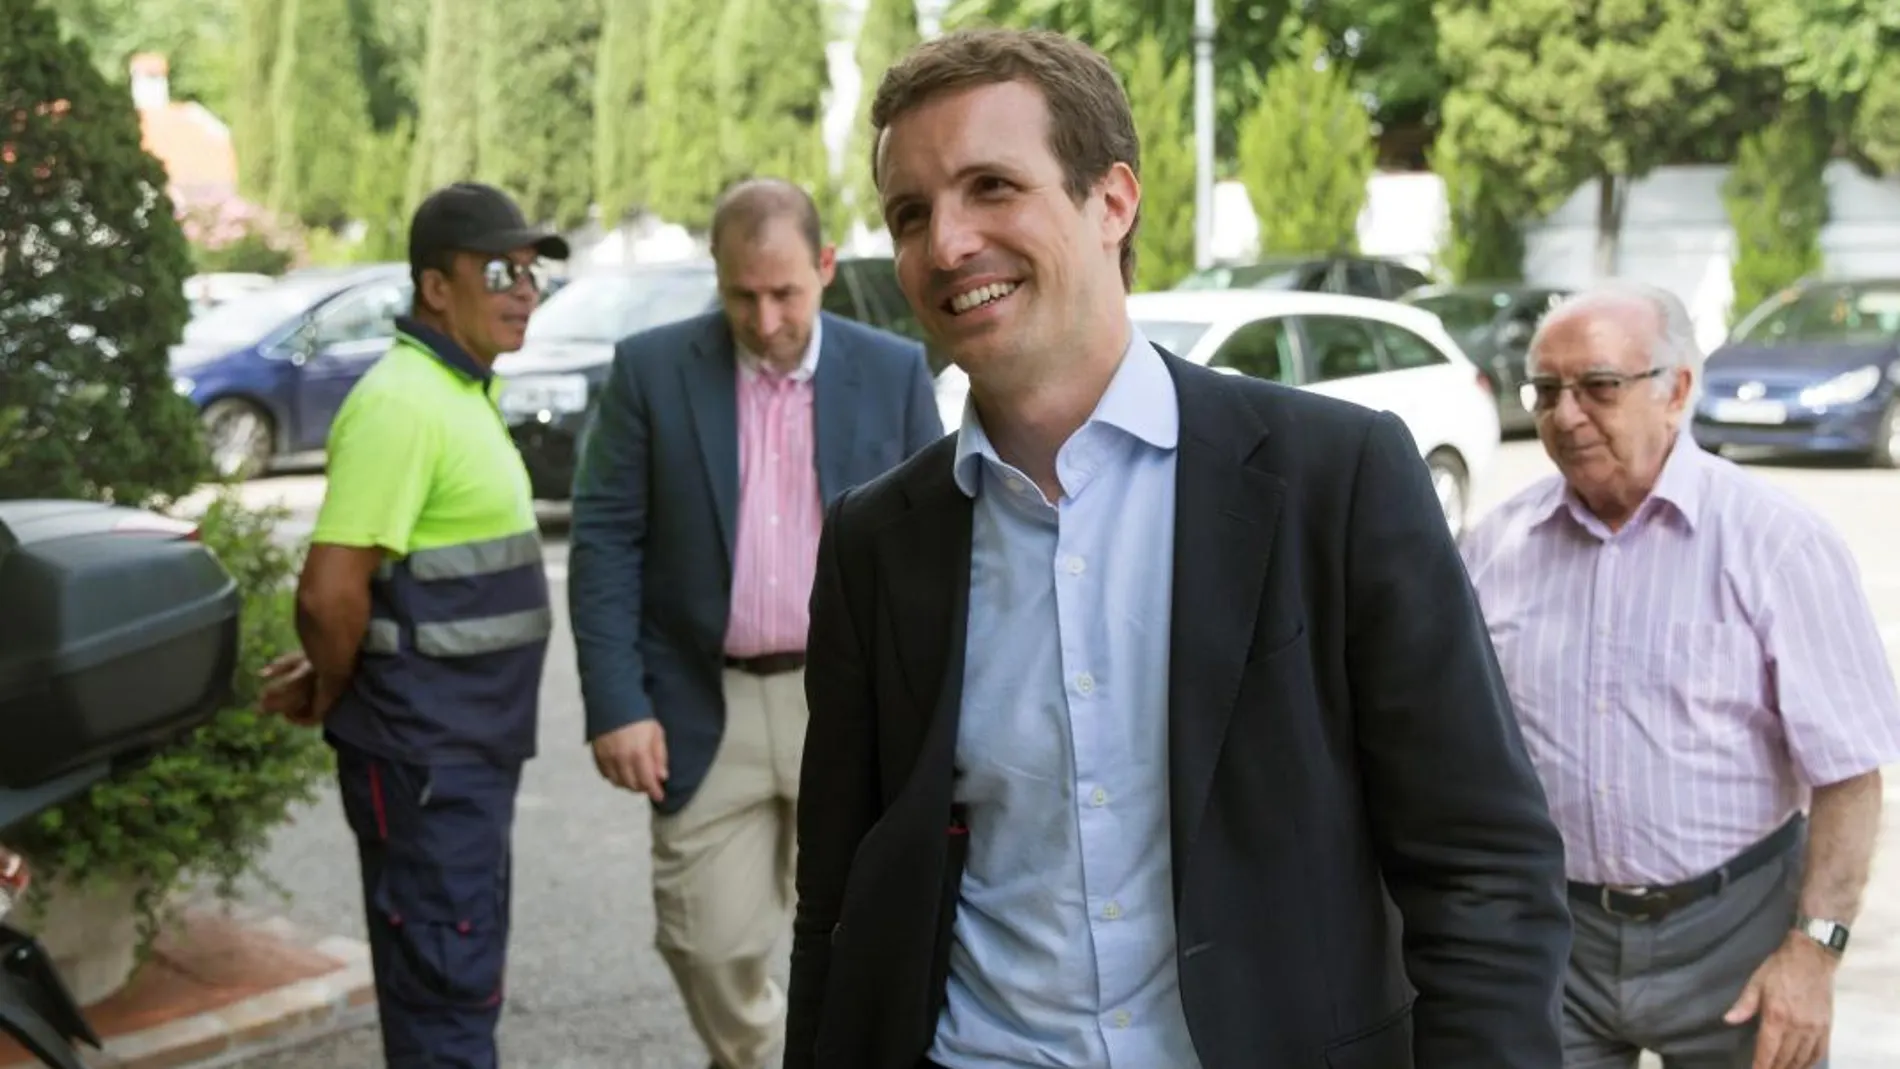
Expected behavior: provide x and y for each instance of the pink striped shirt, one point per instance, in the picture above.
(1683, 682)
(775, 553)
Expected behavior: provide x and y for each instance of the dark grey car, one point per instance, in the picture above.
(1493, 322)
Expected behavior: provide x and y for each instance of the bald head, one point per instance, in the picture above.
(746, 210)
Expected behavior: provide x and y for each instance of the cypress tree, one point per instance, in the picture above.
(91, 270)
(889, 31)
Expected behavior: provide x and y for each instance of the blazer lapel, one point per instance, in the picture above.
(712, 393)
(925, 558)
(835, 411)
(1226, 513)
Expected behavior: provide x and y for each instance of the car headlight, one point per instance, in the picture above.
(183, 385)
(542, 397)
(1846, 389)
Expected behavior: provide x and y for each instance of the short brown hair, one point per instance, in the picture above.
(1090, 126)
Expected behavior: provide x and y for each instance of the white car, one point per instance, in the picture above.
(1379, 354)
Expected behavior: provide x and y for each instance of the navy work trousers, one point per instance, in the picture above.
(434, 845)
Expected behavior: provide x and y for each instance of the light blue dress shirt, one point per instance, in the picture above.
(1064, 951)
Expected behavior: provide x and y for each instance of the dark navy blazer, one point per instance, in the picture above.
(656, 501)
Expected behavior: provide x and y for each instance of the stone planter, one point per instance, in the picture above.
(91, 936)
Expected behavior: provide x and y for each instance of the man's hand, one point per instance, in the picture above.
(634, 758)
(1793, 993)
(295, 691)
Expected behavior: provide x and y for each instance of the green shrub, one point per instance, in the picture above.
(205, 807)
(1776, 197)
(92, 270)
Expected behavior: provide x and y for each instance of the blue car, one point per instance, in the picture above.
(1813, 370)
(269, 370)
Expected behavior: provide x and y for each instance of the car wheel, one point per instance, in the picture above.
(1886, 451)
(240, 436)
(1452, 484)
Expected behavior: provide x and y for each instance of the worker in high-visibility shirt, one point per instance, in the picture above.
(424, 614)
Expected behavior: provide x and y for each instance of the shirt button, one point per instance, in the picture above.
(1603, 706)
(771, 580)
(1076, 565)
(773, 521)
(1015, 485)
(1098, 798)
(1121, 1018)
(1112, 911)
(1085, 683)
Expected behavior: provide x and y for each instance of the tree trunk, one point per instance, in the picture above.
(1612, 195)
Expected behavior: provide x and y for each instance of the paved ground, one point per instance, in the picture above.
(588, 991)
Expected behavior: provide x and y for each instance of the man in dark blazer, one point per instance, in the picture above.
(1153, 722)
(697, 507)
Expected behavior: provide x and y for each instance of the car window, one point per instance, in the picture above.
(1341, 348)
(1405, 350)
(1828, 315)
(1263, 349)
(1362, 279)
(839, 299)
(609, 306)
(364, 314)
(1462, 312)
(1401, 279)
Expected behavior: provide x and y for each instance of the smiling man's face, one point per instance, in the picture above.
(998, 260)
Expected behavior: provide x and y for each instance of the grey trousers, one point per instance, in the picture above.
(1664, 985)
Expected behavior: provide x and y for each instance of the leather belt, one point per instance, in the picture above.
(1655, 903)
(767, 664)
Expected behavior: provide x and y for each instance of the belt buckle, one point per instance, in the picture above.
(1641, 894)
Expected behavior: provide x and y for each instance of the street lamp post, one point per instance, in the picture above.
(1203, 133)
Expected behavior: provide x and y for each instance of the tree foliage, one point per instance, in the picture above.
(1559, 92)
(447, 122)
(683, 118)
(535, 114)
(1161, 94)
(1776, 197)
(889, 30)
(1484, 240)
(620, 110)
(1305, 156)
(771, 84)
(1387, 44)
(318, 105)
(91, 270)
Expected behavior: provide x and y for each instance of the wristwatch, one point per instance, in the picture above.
(1830, 934)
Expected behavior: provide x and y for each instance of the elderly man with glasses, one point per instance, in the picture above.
(1705, 694)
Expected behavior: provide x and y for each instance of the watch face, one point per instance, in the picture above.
(1827, 933)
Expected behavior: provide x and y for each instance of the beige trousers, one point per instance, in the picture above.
(724, 867)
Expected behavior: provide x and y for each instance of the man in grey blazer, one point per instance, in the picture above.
(701, 490)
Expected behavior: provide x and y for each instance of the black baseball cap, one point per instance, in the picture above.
(472, 217)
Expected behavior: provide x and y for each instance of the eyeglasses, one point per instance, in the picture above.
(1601, 388)
(502, 275)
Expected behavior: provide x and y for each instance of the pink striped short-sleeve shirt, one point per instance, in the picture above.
(1684, 682)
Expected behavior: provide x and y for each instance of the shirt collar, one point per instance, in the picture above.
(443, 348)
(807, 367)
(1139, 401)
(1679, 486)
